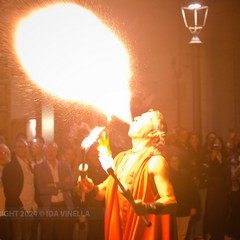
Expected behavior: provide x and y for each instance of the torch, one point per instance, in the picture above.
(86, 144)
(108, 166)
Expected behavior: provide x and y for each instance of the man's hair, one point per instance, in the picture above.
(17, 140)
(160, 129)
(46, 144)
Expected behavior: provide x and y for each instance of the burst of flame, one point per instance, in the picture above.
(71, 54)
(105, 154)
(92, 137)
(105, 157)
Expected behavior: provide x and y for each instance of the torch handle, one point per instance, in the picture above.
(83, 174)
(127, 194)
(83, 197)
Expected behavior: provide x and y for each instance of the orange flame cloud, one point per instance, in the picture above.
(71, 54)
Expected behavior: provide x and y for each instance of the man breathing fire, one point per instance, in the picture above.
(144, 172)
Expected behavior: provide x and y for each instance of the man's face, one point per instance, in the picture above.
(35, 147)
(70, 155)
(142, 125)
(51, 151)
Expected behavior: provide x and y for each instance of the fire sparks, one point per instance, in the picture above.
(71, 54)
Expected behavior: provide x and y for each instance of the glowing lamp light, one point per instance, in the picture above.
(194, 17)
(71, 54)
(31, 128)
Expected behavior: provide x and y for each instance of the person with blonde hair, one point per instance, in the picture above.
(144, 172)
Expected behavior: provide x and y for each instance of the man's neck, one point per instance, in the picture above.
(38, 157)
(139, 145)
(52, 162)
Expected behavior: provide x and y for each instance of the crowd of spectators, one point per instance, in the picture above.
(206, 179)
(39, 178)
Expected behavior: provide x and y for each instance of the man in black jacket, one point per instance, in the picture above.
(18, 183)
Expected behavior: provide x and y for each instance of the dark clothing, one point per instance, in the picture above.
(21, 228)
(184, 154)
(55, 224)
(43, 176)
(185, 192)
(96, 221)
(13, 181)
(234, 216)
(12, 178)
(198, 168)
(5, 228)
(57, 227)
(217, 202)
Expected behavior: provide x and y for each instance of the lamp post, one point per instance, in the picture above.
(194, 17)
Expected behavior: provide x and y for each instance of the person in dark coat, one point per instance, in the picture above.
(218, 192)
(186, 195)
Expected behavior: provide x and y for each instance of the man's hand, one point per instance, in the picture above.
(139, 207)
(51, 185)
(193, 211)
(86, 184)
(216, 154)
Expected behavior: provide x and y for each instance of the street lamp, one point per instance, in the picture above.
(195, 17)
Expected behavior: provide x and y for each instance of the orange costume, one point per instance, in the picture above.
(121, 223)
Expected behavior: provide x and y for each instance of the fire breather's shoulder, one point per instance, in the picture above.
(156, 163)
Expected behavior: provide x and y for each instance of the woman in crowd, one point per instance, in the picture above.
(218, 191)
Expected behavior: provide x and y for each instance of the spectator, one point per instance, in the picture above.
(218, 192)
(36, 156)
(20, 195)
(71, 157)
(207, 146)
(4, 223)
(198, 172)
(186, 195)
(54, 182)
(233, 224)
(183, 148)
(98, 175)
(36, 150)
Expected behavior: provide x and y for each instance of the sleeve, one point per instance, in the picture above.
(66, 180)
(41, 181)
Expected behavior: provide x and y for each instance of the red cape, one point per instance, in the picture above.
(135, 228)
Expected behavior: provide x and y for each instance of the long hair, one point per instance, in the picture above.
(159, 129)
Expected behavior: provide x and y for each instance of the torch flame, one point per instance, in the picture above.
(105, 154)
(92, 137)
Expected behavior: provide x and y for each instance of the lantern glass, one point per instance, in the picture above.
(195, 17)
